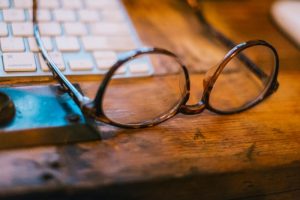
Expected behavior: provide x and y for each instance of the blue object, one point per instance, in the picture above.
(44, 115)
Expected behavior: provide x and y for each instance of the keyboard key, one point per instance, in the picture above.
(9, 44)
(51, 4)
(19, 62)
(121, 43)
(92, 43)
(105, 59)
(103, 4)
(23, 3)
(3, 29)
(67, 43)
(121, 70)
(22, 29)
(43, 15)
(4, 4)
(57, 59)
(13, 15)
(81, 65)
(112, 16)
(75, 29)
(139, 67)
(46, 41)
(63, 15)
(88, 15)
(72, 4)
(50, 28)
(110, 28)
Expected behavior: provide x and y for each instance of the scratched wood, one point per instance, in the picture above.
(252, 155)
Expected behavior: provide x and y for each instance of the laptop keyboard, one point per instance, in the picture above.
(83, 37)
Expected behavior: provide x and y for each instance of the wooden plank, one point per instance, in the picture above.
(252, 155)
(207, 148)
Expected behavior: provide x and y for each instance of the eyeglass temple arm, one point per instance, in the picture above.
(73, 92)
(194, 4)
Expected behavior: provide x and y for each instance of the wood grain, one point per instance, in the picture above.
(252, 155)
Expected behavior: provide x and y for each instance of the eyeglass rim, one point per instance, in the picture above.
(98, 102)
(198, 10)
(272, 86)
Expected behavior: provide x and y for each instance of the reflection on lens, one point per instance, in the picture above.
(244, 79)
(143, 100)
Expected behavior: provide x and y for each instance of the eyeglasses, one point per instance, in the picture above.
(245, 76)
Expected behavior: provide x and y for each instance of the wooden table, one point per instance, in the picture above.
(252, 155)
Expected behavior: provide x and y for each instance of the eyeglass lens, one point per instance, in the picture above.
(135, 101)
(237, 86)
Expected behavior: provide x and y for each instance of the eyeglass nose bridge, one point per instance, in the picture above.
(201, 105)
(193, 109)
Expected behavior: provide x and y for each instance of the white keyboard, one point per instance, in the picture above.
(83, 37)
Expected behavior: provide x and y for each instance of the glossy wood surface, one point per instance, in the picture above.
(252, 155)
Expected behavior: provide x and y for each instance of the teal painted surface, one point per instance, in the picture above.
(40, 107)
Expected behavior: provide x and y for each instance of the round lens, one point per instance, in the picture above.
(145, 100)
(245, 78)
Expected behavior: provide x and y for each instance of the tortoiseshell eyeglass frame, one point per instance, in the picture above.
(93, 109)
